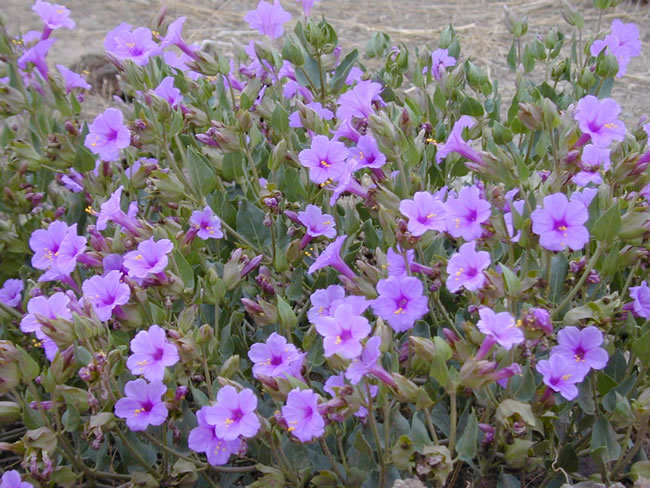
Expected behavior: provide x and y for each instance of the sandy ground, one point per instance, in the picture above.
(479, 23)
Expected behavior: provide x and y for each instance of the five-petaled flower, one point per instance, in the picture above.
(425, 212)
(641, 296)
(325, 160)
(302, 416)
(207, 224)
(598, 119)
(150, 258)
(268, 19)
(466, 213)
(152, 353)
(107, 135)
(400, 302)
(342, 333)
(203, 438)
(465, 268)
(582, 347)
(560, 223)
(105, 293)
(276, 358)
(143, 405)
(561, 375)
(11, 292)
(234, 414)
(499, 328)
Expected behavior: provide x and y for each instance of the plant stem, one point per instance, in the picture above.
(375, 432)
(150, 469)
(432, 429)
(453, 419)
(328, 453)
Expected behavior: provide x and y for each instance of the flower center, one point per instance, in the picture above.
(579, 355)
(324, 164)
(276, 360)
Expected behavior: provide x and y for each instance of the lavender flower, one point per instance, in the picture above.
(323, 302)
(593, 158)
(560, 375)
(52, 308)
(143, 405)
(54, 16)
(105, 293)
(425, 212)
(598, 119)
(466, 213)
(623, 43)
(342, 333)
(151, 257)
(111, 210)
(302, 415)
(152, 353)
(36, 55)
(11, 479)
(465, 268)
(440, 59)
(331, 256)
(268, 19)
(11, 292)
(72, 80)
(560, 223)
(400, 302)
(368, 364)
(206, 223)
(641, 296)
(137, 46)
(317, 224)
(367, 153)
(174, 36)
(358, 101)
(294, 118)
(582, 347)
(325, 160)
(107, 135)
(456, 143)
(204, 439)
(539, 319)
(276, 358)
(334, 383)
(234, 414)
(501, 328)
(56, 249)
(307, 5)
(167, 91)
(180, 63)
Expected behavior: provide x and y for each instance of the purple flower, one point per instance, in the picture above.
(623, 43)
(151, 257)
(367, 153)
(72, 80)
(11, 479)
(357, 102)
(143, 405)
(56, 248)
(500, 327)
(507, 217)
(11, 292)
(400, 302)
(456, 143)
(465, 268)
(342, 333)
(582, 347)
(293, 88)
(54, 16)
(36, 55)
(368, 364)
(302, 415)
(560, 223)
(204, 439)
(560, 375)
(137, 46)
(167, 91)
(331, 256)
(276, 358)
(152, 353)
(598, 119)
(207, 224)
(317, 224)
(425, 212)
(347, 183)
(107, 135)
(180, 63)
(307, 5)
(294, 118)
(268, 19)
(52, 308)
(111, 210)
(466, 213)
(325, 160)
(593, 158)
(105, 293)
(323, 301)
(539, 319)
(174, 36)
(641, 296)
(234, 414)
(334, 383)
(73, 181)
(440, 59)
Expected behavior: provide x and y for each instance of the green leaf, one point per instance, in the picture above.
(603, 439)
(71, 419)
(203, 176)
(343, 69)
(471, 106)
(513, 283)
(280, 119)
(84, 159)
(608, 225)
(508, 481)
(28, 366)
(641, 346)
(467, 446)
(401, 453)
(250, 224)
(559, 268)
(184, 270)
(288, 317)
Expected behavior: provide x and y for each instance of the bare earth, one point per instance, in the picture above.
(479, 23)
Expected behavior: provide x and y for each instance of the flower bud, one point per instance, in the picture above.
(606, 66)
(572, 16)
(9, 412)
(292, 52)
(231, 367)
(206, 334)
(407, 391)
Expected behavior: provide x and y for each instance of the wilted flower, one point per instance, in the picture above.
(440, 59)
(456, 143)
(582, 347)
(11, 479)
(105, 293)
(167, 91)
(137, 45)
(560, 375)
(623, 43)
(208, 225)
(598, 119)
(276, 358)
(560, 223)
(151, 257)
(400, 302)
(11, 292)
(331, 256)
(342, 333)
(539, 319)
(466, 213)
(234, 413)
(357, 102)
(302, 415)
(36, 55)
(641, 296)
(268, 19)
(317, 224)
(325, 159)
(72, 80)
(204, 439)
(425, 212)
(152, 353)
(143, 405)
(107, 135)
(465, 268)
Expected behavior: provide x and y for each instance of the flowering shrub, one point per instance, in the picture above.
(286, 269)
